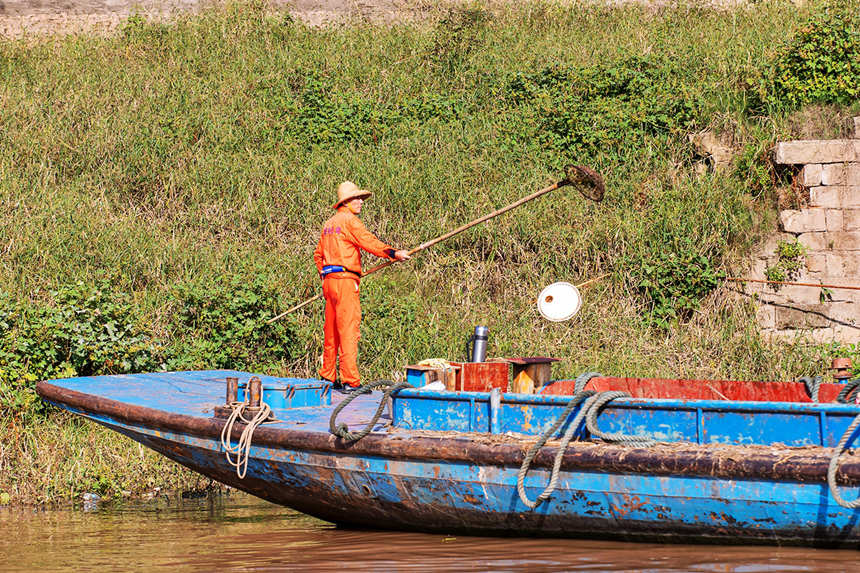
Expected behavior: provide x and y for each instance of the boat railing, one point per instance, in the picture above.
(662, 419)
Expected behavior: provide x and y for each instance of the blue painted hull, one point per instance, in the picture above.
(466, 483)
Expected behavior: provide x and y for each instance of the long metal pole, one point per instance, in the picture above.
(439, 239)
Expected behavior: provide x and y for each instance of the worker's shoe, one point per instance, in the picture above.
(339, 386)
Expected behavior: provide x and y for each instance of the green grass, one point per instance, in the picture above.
(174, 158)
(64, 456)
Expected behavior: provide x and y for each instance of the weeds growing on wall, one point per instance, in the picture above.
(754, 166)
(790, 259)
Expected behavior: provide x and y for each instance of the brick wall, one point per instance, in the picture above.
(829, 228)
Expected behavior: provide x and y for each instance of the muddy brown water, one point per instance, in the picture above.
(238, 532)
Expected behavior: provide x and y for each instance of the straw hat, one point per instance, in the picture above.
(349, 190)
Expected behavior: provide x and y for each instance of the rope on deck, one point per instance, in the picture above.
(813, 386)
(593, 403)
(242, 450)
(342, 430)
(848, 394)
(582, 380)
(847, 437)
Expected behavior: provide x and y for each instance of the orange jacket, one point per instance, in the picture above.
(342, 237)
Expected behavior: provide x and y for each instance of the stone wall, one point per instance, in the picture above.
(828, 226)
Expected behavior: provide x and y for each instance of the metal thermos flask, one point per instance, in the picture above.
(479, 344)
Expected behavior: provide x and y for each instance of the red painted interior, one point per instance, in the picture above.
(700, 389)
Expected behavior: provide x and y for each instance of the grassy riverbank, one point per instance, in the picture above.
(64, 457)
(162, 189)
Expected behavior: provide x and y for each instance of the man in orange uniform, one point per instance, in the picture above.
(338, 260)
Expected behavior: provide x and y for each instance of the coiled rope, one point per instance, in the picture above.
(593, 403)
(813, 386)
(542, 439)
(834, 464)
(438, 363)
(848, 394)
(342, 430)
(582, 380)
(242, 450)
(592, 408)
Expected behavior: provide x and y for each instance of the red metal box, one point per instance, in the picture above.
(481, 376)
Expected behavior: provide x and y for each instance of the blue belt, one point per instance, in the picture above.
(328, 269)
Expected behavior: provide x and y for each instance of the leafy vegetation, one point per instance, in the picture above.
(674, 282)
(225, 325)
(790, 257)
(821, 62)
(89, 330)
(581, 110)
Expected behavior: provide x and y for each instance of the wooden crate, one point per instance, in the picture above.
(419, 375)
(530, 373)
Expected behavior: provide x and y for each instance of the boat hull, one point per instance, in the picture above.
(457, 497)
(466, 482)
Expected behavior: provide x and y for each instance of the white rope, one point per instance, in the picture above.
(446, 367)
(242, 450)
(436, 363)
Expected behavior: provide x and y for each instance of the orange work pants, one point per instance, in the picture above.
(342, 322)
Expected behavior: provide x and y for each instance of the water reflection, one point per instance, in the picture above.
(240, 533)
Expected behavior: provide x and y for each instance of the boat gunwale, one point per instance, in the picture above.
(721, 461)
(635, 403)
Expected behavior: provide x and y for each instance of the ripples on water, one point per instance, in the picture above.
(241, 533)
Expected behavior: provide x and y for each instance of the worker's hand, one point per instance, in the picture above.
(402, 255)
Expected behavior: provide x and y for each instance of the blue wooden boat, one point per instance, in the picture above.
(725, 470)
